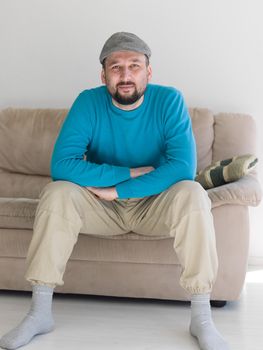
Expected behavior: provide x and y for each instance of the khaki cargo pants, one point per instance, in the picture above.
(66, 209)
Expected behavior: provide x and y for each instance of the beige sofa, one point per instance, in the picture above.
(129, 265)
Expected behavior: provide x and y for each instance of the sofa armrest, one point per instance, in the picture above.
(245, 191)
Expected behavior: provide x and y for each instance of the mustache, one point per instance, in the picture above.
(125, 83)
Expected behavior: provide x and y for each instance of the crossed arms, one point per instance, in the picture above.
(110, 193)
(109, 181)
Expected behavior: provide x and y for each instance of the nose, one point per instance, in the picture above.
(125, 73)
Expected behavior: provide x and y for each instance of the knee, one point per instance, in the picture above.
(188, 187)
(61, 198)
(191, 194)
(59, 190)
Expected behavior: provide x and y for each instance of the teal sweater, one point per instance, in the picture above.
(99, 143)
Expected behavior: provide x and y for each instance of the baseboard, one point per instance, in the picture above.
(255, 260)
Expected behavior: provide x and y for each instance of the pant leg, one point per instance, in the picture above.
(184, 212)
(64, 210)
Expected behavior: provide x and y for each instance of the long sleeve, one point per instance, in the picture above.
(180, 154)
(67, 161)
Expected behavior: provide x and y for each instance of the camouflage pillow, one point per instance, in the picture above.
(225, 171)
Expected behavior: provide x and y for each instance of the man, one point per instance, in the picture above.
(125, 159)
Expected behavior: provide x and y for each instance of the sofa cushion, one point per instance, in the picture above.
(32, 134)
(17, 212)
(22, 186)
(27, 138)
(132, 248)
(129, 247)
(234, 134)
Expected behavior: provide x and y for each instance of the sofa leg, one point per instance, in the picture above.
(217, 303)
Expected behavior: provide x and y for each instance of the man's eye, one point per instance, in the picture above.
(115, 67)
(134, 65)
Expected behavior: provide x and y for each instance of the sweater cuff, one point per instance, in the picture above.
(124, 190)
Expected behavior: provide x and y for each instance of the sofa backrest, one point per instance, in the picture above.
(235, 134)
(27, 138)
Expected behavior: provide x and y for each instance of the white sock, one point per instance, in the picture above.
(39, 320)
(202, 326)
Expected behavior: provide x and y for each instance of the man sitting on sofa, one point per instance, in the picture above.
(124, 160)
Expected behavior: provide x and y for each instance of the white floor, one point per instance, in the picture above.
(100, 323)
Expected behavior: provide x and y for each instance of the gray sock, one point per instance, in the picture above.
(202, 326)
(39, 320)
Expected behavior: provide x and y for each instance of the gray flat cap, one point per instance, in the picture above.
(123, 41)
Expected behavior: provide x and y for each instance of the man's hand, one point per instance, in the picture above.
(110, 193)
(106, 193)
(135, 172)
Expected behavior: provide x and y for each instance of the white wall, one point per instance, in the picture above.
(211, 50)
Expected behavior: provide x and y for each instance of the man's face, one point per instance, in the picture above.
(126, 75)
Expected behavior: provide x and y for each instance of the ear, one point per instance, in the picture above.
(102, 76)
(149, 72)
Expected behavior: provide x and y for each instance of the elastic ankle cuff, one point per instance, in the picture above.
(200, 298)
(39, 283)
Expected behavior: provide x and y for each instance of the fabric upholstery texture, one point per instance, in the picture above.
(30, 134)
(130, 264)
(203, 127)
(101, 266)
(235, 134)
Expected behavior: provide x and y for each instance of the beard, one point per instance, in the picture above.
(128, 99)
